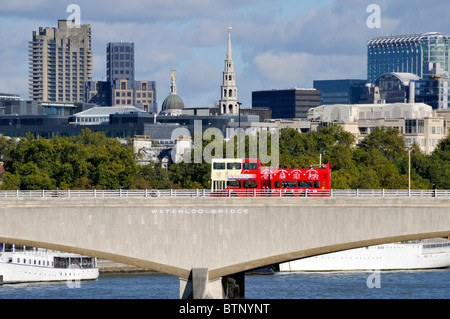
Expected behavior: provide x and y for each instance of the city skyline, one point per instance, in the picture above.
(275, 45)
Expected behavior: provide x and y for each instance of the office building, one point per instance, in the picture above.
(122, 92)
(288, 103)
(121, 88)
(417, 122)
(340, 91)
(394, 87)
(60, 63)
(120, 61)
(434, 88)
(406, 54)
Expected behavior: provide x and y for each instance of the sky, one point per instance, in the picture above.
(276, 44)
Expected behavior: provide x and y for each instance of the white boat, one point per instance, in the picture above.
(29, 264)
(424, 254)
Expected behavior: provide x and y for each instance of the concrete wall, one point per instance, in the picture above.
(224, 235)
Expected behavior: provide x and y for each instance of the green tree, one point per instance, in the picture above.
(84, 161)
(153, 176)
(389, 141)
(439, 168)
(33, 178)
(7, 145)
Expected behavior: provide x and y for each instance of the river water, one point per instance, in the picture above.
(417, 284)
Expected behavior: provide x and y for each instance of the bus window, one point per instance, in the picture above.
(277, 184)
(250, 165)
(234, 166)
(234, 184)
(305, 184)
(316, 184)
(219, 165)
(288, 184)
(250, 184)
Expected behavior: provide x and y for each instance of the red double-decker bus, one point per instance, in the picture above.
(249, 177)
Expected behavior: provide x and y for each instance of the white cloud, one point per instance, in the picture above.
(300, 69)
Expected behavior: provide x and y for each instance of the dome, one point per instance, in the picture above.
(172, 104)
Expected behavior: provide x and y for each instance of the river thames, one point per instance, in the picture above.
(417, 284)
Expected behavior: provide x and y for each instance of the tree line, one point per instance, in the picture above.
(93, 161)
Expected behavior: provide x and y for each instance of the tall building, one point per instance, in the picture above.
(229, 103)
(406, 54)
(121, 88)
(120, 61)
(60, 63)
(288, 103)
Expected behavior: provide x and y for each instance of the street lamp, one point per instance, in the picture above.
(409, 170)
(239, 110)
(239, 129)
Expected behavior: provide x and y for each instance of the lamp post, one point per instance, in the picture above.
(239, 129)
(239, 112)
(409, 171)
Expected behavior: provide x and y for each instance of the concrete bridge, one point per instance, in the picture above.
(210, 242)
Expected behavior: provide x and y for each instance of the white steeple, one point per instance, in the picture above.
(229, 103)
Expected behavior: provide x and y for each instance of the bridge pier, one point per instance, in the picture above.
(198, 286)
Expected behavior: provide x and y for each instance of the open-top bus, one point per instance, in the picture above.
(249, 177)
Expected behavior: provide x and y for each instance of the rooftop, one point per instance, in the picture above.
(405, 37)
(108, 110)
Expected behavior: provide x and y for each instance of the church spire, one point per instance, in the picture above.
(229, 44)
(229, 103)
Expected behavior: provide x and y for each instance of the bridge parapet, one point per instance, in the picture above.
(336, 193)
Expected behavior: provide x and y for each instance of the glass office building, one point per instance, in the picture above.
(288, 103)
(406, 54)
(340, 91)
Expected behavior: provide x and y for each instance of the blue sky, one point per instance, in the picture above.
(276, 44)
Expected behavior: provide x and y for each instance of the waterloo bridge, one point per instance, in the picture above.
(210, 242)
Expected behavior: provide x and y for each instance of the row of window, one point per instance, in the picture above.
(122, 48)
(441, 245)
(129, 94)
(128, 102)
(123, 86)
(235, 165)
(277, 184)
(35, 262)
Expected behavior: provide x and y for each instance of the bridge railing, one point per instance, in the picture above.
(360, 193)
